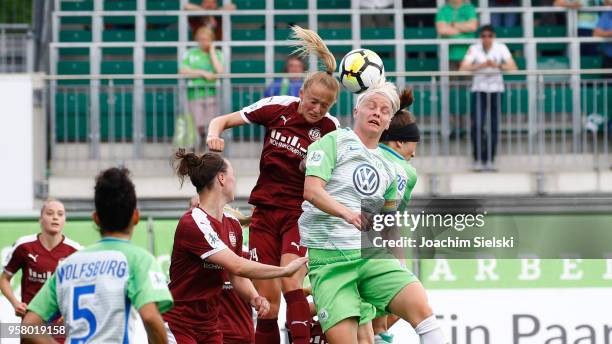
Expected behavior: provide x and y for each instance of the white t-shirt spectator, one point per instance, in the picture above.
(488, 80)
(373, 4)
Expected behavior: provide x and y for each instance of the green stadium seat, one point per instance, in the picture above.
(548, 63)
(160, 113)
(75, 20)
(120, 122)
(120, 20)
(248, 66)
(242, 19)
(335, 34)
(458, 100)
(73, 36)
(73, 52)
(85, 5)
(422, 101)
(248, 35)
(421, 65)
(420, 32)
(390, 64)
(290, 18)
(590, 62)
(282, 34)
(118, 36)
(164, 20)
(163, 5)
(514, 94)
(422, 48)
(118, 52)
(553, 99)
(333, 4)
(120, 5)
(71, 114)
(161, 67)
(241, 99)
(250, 4)
(594, 99)
(161, 36)
(73, 67)
(290, 4)
(160, 51)
(509, 32)
(521, 64)
(377, 33)
(117, 67)
(550, 31)
(381, 49)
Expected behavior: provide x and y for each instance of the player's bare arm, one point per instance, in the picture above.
(245, 288)
(314, 192)
(245, 268)
(33, 319)
(7, 291)
(153, 323)
(218, 125)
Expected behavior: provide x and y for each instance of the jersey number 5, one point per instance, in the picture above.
(83, 313)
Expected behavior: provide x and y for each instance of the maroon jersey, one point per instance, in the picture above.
(235, 315)
(288, 135)
(38, 263)
(197, 237)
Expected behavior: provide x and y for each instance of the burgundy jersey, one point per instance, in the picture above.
(197, 237)
(235, 315)
(288, 135)
(38, 263)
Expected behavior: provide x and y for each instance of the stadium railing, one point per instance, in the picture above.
(16, 48)
(545, 123)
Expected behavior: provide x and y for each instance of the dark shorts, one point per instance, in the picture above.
(193, 323)
(274, 232)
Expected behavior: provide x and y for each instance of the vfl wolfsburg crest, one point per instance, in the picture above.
(366, 179)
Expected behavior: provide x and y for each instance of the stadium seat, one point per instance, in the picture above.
(590, 62)
(281, 34)
(335, 34)
(160, 67)
(242, 19)
(120, 5)
(116, 119)
(377, 33)
(509, 32)
(163, 5)
(248, 35)
(290, 4)
(161, 35)
(419, 32)
(247, 66)
(390, 65)
(160, 113)
(421, 65)
(118, 36)
(84, 5)
(549, 31)
(250, 4)
(162, 20)
(333, 4)
(71, 114)
(73, 68)
(73, 36)
(117, 67)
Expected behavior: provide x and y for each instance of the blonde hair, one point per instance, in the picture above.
(46, 202)
(385, 89)
(308, 42)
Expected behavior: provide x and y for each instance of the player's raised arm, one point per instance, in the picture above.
(153, 324)
(239, 266)
(218, 125)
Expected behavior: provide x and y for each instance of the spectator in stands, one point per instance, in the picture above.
(202, 64)
(456, 19)
(504, 19)
(487, 60)
(211, 22)
(604, 29)
(586, 21)
(288, 86)
(376, 20)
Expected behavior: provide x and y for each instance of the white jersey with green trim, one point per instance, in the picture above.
(353, 174)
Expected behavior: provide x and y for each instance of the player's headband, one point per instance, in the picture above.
(408, 133)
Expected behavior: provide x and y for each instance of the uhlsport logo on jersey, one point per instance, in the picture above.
(314, 134)
(366, 179)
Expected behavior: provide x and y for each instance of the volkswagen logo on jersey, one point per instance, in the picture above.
(314, 134)
(366, 179)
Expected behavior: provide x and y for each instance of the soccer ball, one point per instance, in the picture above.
(360, 69)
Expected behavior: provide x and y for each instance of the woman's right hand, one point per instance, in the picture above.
(294, 266)
(353, 218)
(20, 308)
(215, 143)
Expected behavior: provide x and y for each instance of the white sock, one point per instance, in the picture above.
(430, 332)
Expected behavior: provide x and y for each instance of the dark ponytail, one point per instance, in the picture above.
(200, 169)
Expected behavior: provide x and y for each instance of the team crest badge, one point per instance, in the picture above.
(232, 238)
(314, 134)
